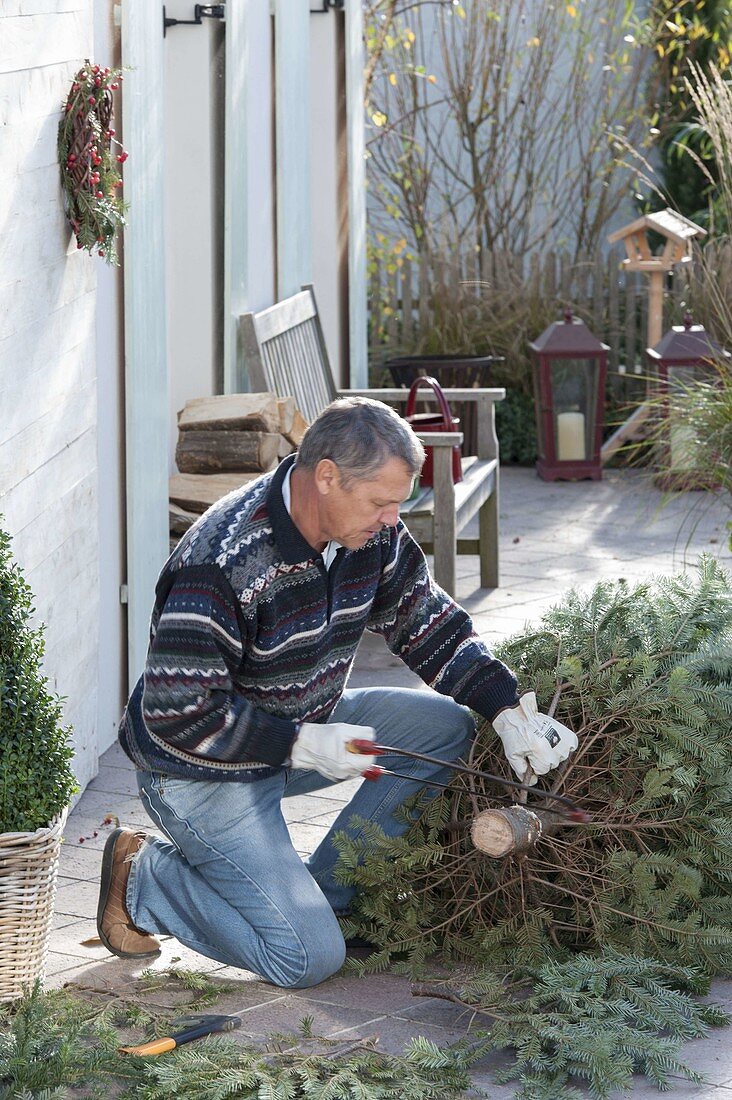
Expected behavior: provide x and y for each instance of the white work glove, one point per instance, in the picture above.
(532, 740)
(323, 747)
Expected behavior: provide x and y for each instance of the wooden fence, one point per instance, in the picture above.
(415, 302)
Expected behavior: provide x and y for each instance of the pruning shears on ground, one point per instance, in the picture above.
(193, 1027)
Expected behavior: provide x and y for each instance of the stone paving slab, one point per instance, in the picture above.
(552, 536)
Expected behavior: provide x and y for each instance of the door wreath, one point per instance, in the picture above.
(90, 159)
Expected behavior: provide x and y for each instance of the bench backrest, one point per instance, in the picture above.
(285, 353)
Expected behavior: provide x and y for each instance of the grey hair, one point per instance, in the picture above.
(359, 435)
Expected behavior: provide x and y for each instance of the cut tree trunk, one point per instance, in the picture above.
(197, 492)
(254, 412)
(498, 833)
(205, 452)
(179, 519)
(286, 409)
(298, 429)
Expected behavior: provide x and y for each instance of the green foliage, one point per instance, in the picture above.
(204, 989)
(596, 1019)
(49, 1042)
(216, 1069)
(687, 33)
(36, 780)
(643, 675)
(591, 1018)
(516, 428)
(53, 1043)
(702, 407)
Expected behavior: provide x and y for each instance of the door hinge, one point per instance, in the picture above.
(200, 12)
(124, 593)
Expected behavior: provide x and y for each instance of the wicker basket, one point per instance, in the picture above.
(28, 871)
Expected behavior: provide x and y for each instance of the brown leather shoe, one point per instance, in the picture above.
(114, 924)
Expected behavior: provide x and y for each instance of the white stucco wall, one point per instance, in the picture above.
(59, 361)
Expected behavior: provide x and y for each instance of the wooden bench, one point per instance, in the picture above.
(285, 353)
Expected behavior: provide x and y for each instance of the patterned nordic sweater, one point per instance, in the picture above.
(250, 636)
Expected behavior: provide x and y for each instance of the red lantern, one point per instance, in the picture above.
(684, 355)
(570, 365)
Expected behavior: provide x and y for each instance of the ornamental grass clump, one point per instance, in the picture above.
(36, 780)
(643, 674)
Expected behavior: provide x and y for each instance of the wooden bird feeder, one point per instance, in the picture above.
(678, 233)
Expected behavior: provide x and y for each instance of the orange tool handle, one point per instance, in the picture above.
(155, 1046)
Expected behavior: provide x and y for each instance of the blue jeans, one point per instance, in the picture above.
(230, 884)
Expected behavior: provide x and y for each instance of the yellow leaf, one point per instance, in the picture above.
(534, 42)
(572, 11)
(379, 118)
(392, 78)
(660, 50)
(410, 35)
(460, 11)
(432, 79)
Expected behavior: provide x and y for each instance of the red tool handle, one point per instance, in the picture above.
(364, 747)
(374, 772)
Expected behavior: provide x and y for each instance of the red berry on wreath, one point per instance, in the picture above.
(68, 106)
(95, 68)
(100, 253)
(122, 157)
(92, 100)
(115, 86)
(97, 81)
(100, 194)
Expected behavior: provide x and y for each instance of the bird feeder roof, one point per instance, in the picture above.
(569, 337)
(668, 223)
(688, 343)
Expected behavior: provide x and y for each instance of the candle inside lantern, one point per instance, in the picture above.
(682, 444)
(571, 437)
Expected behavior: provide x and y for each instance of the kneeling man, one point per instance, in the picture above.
(243, 701)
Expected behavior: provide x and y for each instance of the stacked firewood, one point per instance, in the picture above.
(224, 442)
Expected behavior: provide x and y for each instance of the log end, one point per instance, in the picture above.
(499, 832)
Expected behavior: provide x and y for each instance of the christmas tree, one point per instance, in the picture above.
(643, 675)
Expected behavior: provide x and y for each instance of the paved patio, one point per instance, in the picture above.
(553, 536)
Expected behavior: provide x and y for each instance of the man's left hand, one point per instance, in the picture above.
(532, 740)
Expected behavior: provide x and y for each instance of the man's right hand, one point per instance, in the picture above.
(324, 749)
